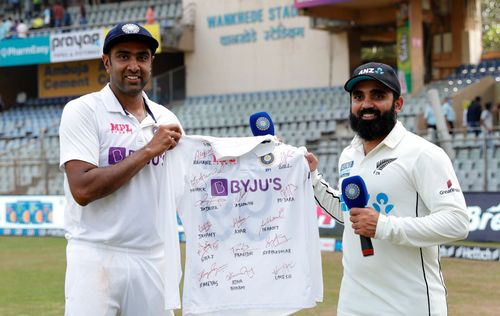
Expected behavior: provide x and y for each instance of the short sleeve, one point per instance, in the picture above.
(78, 134)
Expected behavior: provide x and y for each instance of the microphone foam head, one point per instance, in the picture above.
(261, 124)
(354, 192)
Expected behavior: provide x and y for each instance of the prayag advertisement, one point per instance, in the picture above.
(71, 78)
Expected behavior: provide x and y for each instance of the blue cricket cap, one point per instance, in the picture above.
(129, 32)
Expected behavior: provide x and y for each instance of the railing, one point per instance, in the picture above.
(170, 86)
(477, 163)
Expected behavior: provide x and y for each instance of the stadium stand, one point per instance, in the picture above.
(312, 117)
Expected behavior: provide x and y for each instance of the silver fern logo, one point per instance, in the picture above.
(382, 164)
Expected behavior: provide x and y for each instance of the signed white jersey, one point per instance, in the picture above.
(248, 210)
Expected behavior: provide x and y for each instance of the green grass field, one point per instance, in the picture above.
(32, 281)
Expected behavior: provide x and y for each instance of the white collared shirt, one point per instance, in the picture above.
(248, 211)
(411, 182)
(95, 129)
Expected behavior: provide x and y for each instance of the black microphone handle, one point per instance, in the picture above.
(366, 246)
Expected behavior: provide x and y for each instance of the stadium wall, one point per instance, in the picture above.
(253, 45)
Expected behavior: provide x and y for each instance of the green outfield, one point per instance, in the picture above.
(32, 281)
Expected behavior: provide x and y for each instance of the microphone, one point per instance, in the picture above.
(356, 195)
(261, 124)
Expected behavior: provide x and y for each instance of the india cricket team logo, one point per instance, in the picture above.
(267, 159)
(352, 191)
(130, 28)
(263, 123)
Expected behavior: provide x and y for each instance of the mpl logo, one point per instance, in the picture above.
(222, 187)
(117, 128)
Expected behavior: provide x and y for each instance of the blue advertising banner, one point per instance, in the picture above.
(484, 212)
(28, 51)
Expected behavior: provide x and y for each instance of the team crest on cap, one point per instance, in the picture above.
(267, 159)
(262, 123)
(130, 28)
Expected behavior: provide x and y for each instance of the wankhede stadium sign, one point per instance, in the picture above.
(251, 19)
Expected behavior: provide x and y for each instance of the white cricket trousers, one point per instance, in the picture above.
(110, 281)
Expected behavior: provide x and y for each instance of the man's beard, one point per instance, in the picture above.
(377, 128)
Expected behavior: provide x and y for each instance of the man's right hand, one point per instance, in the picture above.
(312, 160)
(165, 138)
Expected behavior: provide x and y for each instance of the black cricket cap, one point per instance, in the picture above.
(382, 73)
(129, 32)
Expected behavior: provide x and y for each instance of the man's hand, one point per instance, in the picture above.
(364, 221)
(312, 160)
(166, 137)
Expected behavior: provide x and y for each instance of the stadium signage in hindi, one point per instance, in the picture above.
(266, 31)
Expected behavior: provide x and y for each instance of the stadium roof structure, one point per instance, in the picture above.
(439, 36)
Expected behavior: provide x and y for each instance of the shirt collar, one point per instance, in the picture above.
(112, 104)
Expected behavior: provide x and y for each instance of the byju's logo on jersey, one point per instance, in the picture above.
(121, 128)
(116, 154)
(382, 164)
(224, 187)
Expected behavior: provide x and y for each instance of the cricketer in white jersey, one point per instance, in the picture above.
(252, 241)
(415, 204)
(114, 237)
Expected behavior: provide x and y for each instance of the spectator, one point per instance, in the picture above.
(28, 9)
(58, 14)
(67, 17)
(37, 6)
(496, 115)
(474, 116)
(13, 30)
(37, 22)
(430, 120)
(83, 14)
(7, 27)
(22, 29)
(2, 104)
(47, 17)
(449, 114)
(150, 15)
(487, 119)
(16, 7)
(3, 32)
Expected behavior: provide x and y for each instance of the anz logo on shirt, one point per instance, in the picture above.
(380, 205)
(117, 154)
